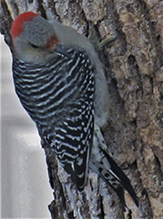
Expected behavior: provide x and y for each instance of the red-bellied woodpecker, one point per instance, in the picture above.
(61, 84)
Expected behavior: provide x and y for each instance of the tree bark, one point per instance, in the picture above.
(133, 63)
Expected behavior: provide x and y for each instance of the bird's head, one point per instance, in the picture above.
(34, 38)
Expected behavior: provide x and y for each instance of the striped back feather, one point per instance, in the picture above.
(59, 97)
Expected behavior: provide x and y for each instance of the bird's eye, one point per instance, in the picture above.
(34, 46)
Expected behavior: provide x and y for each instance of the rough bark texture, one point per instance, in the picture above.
(134, 68)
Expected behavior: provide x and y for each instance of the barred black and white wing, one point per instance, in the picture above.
(59, 97)
(74, 135)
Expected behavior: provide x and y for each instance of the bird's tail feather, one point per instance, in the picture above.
(108, 170)
(122, 178)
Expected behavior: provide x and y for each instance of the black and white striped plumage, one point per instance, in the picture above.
(61, 84)
(59, 97)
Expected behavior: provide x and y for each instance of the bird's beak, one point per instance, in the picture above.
(60, 50)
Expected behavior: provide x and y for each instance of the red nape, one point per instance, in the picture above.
(18, 24)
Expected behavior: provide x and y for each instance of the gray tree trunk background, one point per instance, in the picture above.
(133, 63)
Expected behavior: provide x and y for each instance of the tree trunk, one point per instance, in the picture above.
(133, 63)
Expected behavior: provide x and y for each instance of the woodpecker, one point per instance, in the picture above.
(61, 84)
